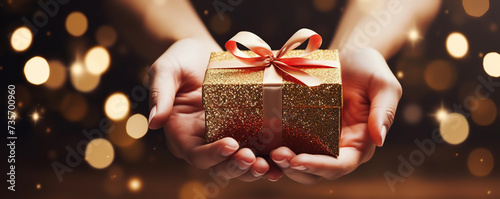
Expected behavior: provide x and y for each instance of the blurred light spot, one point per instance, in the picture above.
(412, 113)
(106, 36)
(440, 75)
(480, 162)
(137, 126)
(192, 189)
(52, 154)
(493, 27)
(457, 45)
(454, 128)
(489, 192)
(220, 26)
(114, 185)
(485, 113)
(38, 186)
(57, 75)
(21, 39)
(48, 130)
(117, 106)
(118, 135)
(133, 152)
(205, 12)
(324, 5)
(413, 35)
(73, 107)
(491, 64)
(82, 80)
(476, 8)
(97, 60)
(134, 184)
(37, 70)
(99, 153)
(76, 24)
(400, 74)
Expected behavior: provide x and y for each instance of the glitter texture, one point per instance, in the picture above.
(232, 99)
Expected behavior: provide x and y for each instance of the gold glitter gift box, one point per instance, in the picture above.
(311, 116)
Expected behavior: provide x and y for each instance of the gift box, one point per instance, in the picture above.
(262, 116)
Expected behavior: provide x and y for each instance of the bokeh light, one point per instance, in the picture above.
(192, 189)
(219, 26)
(454, 128)
(137, 126)
(476, 8)
(37, 70)
(106, 36)
(485, 113)
(81, 79)
(118, 135)
(21, 39)
(480, 162)
(58, 73)
(99, 153)
(73, 107)
(134, 184)
(38, 186)
(117, 106)
(413, 35)
(97, 60)
(440, 75)
(491, 64)
(324, 5)
(457, 45)
(76, 24)
(412, 113)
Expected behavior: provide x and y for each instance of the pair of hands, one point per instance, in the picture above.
(371, 94)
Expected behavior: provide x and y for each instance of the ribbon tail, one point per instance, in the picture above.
(304, 62)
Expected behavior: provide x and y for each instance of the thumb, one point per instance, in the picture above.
(164, 83)
(385, 92)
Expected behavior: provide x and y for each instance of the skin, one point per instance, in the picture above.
(371, 93)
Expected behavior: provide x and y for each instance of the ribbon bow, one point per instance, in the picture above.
(274, 62)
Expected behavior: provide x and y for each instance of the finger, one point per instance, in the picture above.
(282, 157)
(164, 84)
(327, 166)
(205, 156)
(259, 168)
(384, 94)
(241, 162)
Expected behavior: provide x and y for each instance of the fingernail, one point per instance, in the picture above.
(274, 180)
(228, 150)
(152, 114)
(300, 168)
(257, 174)
(244, 165)
(282, 163)
(383, 133)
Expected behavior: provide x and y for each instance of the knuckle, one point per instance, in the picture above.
(390, 117)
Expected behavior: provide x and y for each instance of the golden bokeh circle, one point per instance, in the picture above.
(118, 134)
(491, 64)
(412, 113)
(76, 24)
(37, 70)
(457, 45)
(99, 153)
(485, 113)
(134, 184)
(454, 128)
(324, 5)
(97, 60)
(476, 8)
(83, 80)
(480, 162)
(58, 73)
(440, 75)
(73, 107)
(219, 26)
(117, 106)
(21, 39)
(192, 189)
(106, 36)
(137, 126)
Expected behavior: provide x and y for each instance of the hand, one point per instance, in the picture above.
(175, 98)
(371, 95)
